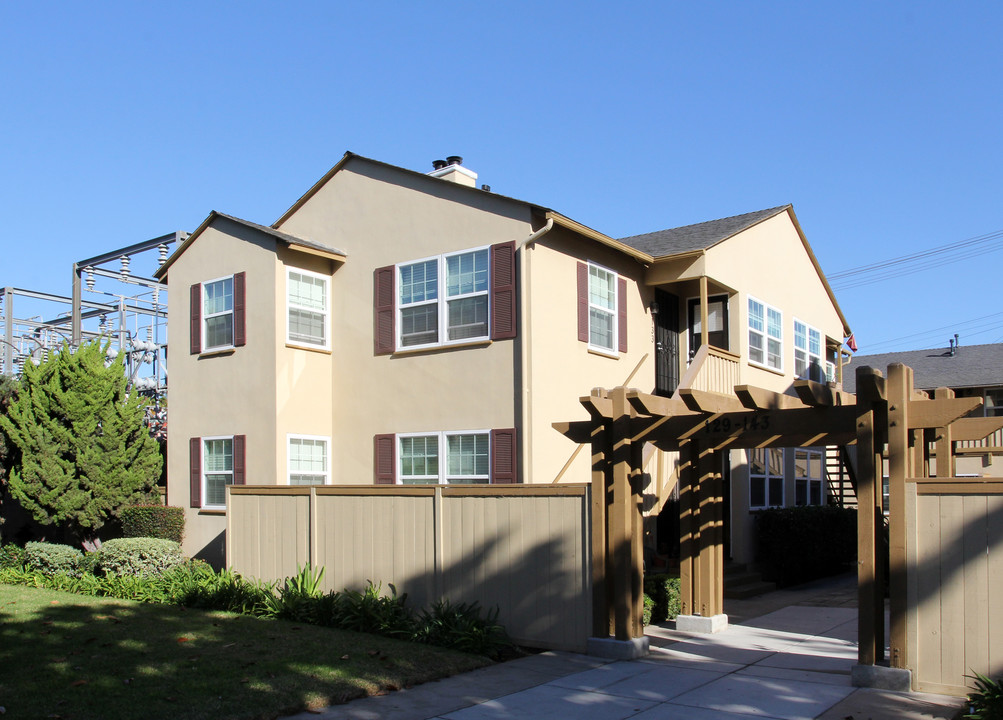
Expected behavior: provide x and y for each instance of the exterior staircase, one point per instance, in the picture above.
(741, 583)
(840, 477)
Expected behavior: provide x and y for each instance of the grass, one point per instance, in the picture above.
(76, 657)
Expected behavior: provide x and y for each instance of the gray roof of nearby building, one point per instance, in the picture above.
(279, 235)
(697, 237)
(971, 366)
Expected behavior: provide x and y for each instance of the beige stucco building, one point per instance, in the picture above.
(400, 327)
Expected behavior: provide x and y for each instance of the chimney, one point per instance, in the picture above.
(452, 169)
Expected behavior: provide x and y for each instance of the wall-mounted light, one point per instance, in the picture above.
(653, 307)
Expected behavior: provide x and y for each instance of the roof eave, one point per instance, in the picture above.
(588, 232)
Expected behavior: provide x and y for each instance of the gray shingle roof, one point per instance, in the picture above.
(279, 235)
(971, 366)
(697, 237)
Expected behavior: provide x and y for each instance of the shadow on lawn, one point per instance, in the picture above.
(111, 659)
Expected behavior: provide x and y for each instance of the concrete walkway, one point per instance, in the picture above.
(789, 658)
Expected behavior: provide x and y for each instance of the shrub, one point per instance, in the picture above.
(663, 590)
(11, 556)
(139, 556)
(153, 521)
(986, 701)
(798, 544)
(461, 627)
(369, 611)
(51, 559)
(196, 584)
(649, 605)
(298, 596)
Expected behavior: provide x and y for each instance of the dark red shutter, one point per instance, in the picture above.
(239, 310)
(384, 340)
(583, 302)
(385, 459)
(621, 311)
(503, 297)
(195, 470)
(196, 315)
(503, 457)
(239, 445)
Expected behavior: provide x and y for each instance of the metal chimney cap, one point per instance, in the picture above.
(439, 164)
(454, 160)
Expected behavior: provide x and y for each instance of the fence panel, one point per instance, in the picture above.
(524, 549)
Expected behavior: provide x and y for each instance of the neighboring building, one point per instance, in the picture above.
(971, 371)
(397, 327)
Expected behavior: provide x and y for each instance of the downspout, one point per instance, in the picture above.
(525, 336)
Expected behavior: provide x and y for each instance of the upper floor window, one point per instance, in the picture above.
(602, 308)
(444, 300)
(307, 302)
(808, 361)
(308, 461)
(217, 314)
(766, 335)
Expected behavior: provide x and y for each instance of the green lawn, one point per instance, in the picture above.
(75, 657)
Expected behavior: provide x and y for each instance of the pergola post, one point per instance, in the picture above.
(900, 467)
(870, 520)
(602, 590)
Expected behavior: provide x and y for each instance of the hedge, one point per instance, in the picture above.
(798, 544)
(153, 521)
(138, 556)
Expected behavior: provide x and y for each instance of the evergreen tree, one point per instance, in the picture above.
(8, 387)
(82, 450)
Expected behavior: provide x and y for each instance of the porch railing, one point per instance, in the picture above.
(716, 370)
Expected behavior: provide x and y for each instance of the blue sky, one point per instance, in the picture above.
(880, 122)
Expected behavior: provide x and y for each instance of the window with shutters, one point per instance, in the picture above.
(443, 300)
(808, 361)
(217, 314)
(217, 471)
(766, 478)
(445, 457)
(766, 335)
(307, 309)
(308, 460)
(602, 308)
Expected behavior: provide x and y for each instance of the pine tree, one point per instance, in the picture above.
(82, 450)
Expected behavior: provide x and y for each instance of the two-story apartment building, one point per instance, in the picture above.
(400, 327)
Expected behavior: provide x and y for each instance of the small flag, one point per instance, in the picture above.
(851, 342)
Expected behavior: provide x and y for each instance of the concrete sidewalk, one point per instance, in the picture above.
(791, 661)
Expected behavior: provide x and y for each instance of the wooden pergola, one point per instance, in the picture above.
(702, 425)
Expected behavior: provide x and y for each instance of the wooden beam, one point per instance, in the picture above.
(647, 404)
(757, 398)
(900, 467)
(975, 429)
(688, 528)
(939, 413)
(873, 382)
(602, 605)
(707, 401)
(598, 405)
(944, 440)
(580, 431)
(870, 582)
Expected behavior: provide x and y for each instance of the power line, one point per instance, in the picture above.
(969, 328)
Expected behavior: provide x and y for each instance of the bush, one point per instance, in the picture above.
(51, 559)
(798, 544)
(649, 605)
(663, 590)
(11, 556)
(461, 627)
(986, 701)
(139, 556)
(153, 521)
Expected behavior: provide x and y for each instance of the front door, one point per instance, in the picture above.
(717, 323)
(666, 343)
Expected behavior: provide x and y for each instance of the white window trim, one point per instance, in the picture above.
(766, 481)
(204, 317)
(326, 475)
(822, 362)
(765, 334)
(443, 459)
(327, 311)
(820, 480)
(203, 484)
(613, 351)
(441, 301)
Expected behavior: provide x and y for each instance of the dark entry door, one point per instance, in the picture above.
(717, 322)
(666, 343)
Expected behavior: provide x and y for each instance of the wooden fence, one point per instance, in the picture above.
(522, 548)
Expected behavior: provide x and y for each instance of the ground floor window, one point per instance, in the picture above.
(808, 476)
(447, 457)
(308, 460)
(766, 478)
(217, 470)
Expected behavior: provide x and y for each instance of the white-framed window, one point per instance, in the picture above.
(602, 308)
(808, 361)
(808, 463)
(993, 405)
(766, 335)
(443, 300)
(444, 457)
(217, 471)
(307, 314)
(766, 478)
(308, 460)
(217, 314)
